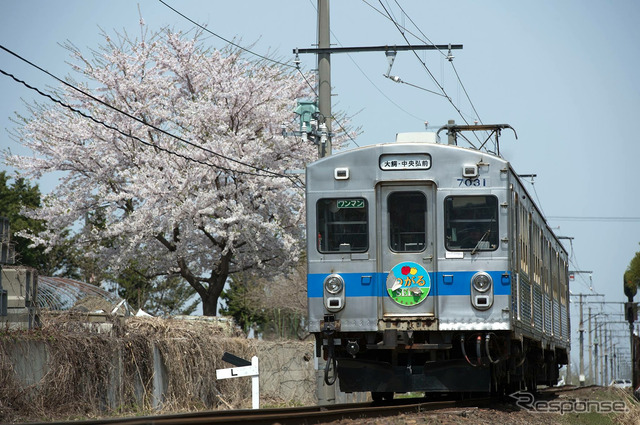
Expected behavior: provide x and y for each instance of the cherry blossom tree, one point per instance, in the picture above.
(197, 184)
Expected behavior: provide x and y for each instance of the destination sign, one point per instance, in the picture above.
(405, 161)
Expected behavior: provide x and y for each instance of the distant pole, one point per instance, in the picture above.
(606, 357)
(595, 352)
(634, 383)
(581, 330)
(603, 348)
(591, 376)
(324, 76)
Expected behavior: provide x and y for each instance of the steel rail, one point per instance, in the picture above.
(296, 415)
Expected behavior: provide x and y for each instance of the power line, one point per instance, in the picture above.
(225, 40)
(446, 95)
(464, 89)
(144, 142)
(275, 174)
(612, 219)
(426, 39)
(297, 68)
(369, 79)
(449, 60)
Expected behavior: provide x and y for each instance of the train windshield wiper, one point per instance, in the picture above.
(474, 250)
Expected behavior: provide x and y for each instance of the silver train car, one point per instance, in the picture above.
(430, 269)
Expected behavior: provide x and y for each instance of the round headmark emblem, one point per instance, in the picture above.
(408, 283)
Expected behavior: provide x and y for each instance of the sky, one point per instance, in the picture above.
(562, 73)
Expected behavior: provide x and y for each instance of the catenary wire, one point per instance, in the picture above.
(402, 31)
(611, 219)
(369, 79)
(424, 65)
(450, 61)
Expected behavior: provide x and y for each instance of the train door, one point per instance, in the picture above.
(406, 231)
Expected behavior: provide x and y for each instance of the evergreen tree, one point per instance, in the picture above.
(632, 277)
(16, 197)
(241, 304)
(157, 295)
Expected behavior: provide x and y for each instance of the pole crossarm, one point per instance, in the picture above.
(331, 50)
(495, 132)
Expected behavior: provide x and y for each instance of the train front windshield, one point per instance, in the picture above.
(471, 223)
(342, 225)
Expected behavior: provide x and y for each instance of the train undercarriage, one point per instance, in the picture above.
(433, 362)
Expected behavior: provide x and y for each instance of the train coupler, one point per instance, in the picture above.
(329, 325)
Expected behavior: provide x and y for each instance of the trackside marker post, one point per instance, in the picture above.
(237, 372)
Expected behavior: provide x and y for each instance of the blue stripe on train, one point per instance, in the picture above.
(442, 283)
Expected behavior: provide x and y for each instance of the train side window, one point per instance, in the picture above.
(471, 223)
(342, 225)
(407, 221)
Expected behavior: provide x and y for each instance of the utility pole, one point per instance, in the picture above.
(324, 51)
(631, 315)
(581, 330)
(591, 376)
(324, 78)
(595, 352)
(606, 359)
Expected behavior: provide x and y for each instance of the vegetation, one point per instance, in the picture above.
(186, 170)
(17, 197)
(632, 277)
(275, 307)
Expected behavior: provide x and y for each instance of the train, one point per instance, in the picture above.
(431, 269)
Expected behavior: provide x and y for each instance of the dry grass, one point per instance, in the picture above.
(100, 369)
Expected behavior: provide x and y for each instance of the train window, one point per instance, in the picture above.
(407, 221)
(471, 223)
(342, 225)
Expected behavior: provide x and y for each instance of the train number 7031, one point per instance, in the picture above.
(477, 182)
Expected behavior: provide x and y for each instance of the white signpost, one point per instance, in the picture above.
(252, 371)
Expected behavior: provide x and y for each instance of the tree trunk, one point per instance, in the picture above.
(210, 305)
(211, 290)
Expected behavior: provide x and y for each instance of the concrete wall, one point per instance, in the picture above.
(18, 303)
(287, 373)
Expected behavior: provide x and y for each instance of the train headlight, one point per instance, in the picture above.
(481, 282)
(333, 284)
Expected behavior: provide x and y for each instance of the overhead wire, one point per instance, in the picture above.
(130, 136)
(464, 89)
(402, 29)
(369, 79)
(297, 68)
(226, 40)
(612, 219)
(219, 155)
(424, 65)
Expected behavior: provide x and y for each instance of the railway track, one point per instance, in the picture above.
(297, 415)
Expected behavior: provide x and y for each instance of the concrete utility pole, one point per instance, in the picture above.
(581, 377)
(595, 352)
(581, 330)
(324, 51)
(324, 77)
(590, 350)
